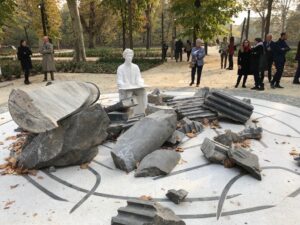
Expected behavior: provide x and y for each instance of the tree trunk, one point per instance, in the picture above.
(148, 26)
(268, 17)
(92, 21)
(91, 40)
(263, 24)
(123, 16)
(130, 24)
(78, 33)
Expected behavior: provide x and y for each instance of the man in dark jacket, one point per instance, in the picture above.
(178, 50)
(24, 55)
(279, 52)
(255, 57)
(268, 46)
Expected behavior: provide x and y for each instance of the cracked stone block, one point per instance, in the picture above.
(155, 99)
(251, 133)
(214, 151)
(177, 196)
(139, 212)
(176, 138)
(122, 105)
(228, 106)
(159, 162)
(144, 137)
(246, 160)
(202, 92)
(74, 142)
(155, 108)
(118, 116)
(190, 126)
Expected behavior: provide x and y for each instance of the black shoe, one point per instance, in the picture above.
(45, 80)
(244, 86)
(278, 86)
(254, 88)
(236, 86)
(191, 84)
(272, 86)
(296, 82)
(197, 85)
(27, 82)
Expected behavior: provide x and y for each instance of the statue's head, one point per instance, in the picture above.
(128, 55)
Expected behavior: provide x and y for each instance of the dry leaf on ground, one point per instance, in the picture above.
(179, 149)
(146, 198)
(14, 186)
(191, 135)
(84, 166)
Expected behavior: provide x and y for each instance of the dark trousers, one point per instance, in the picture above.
(240, 78)
(230, 58)
(26, 75)
(188, 53)
(257, 78)
(199, 73)
(46, 75)
(178, 55)
(223, 60)
(279, 71)
(297, 74)
(270, 64)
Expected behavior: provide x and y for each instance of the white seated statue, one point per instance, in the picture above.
(131, 83)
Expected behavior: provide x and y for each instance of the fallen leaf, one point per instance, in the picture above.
(190, 135)
(228, 163)
(146, 198)
(84, 166)
(205, 122)
(9, 203)
(40, 177)
(294, 152)
(179, 149)
(255, 121)
(32, 172)
(3, 166)
(34, 215)
(11, 138)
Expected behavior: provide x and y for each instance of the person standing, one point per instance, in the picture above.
(198, 54)
(48, 64)
(243, 63)
(165, 48)
(280, 50)
(269, 45)
(178, 50)
(24, 55)
(188, 49)
(223, 52)
(231, 49)
(255, 63)
(297, 74)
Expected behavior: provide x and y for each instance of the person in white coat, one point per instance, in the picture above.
(130, 82)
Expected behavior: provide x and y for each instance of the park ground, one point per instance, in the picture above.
(168, 76)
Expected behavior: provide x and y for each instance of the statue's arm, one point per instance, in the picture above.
(120, 81)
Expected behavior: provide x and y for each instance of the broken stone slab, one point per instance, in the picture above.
(189, 126)
(122, 105)
(118, 116)
(176, 138)
(202, 92)
(159, 162)
(247, 160)
(144, 137)
(151, 108)
(41, 110)
(215, 152)
(177, 196)
(228, 106)
(297, 159)
(140, 212)
(165, 97)
(155, 99)
(230, 137)
(74, 142)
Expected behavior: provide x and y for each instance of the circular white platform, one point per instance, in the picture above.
(216, 195)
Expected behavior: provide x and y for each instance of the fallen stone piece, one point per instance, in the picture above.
(228, 106)
(214, 151)
(155, 99)
(159, 162)
(74, 142)
(151, 108)
(144, 137)
(246, 160)
(177, 196)
(139, 212)
(118, 116)
(298, 160)
(202, 92)
(176, 138)
(122, 105)
(42, 109)
(188, 126)
(230, 137)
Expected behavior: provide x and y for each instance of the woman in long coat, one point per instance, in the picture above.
(256, 53)
(243, 63)
(24, 55)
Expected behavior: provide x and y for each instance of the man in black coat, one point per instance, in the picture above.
(279, 51)
(268, 46)
(178, 50)
(24, 55)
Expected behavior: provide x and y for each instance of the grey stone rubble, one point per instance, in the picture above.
(188, 126)
(122, 105)
(218, 153)
(159, 162)
(230, 137)
(158, 98)
(228, 106)
(192, 108)
(139, 212)
(297, 159)
(177, 196)
(144, 137)
(202, 92)
(74, 142)
(176, 138)
(42, 109)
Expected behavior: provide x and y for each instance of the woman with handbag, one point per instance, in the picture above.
(198, 54)
(243, 63)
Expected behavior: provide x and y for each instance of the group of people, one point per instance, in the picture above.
(180, 47)
(24, 55)
(257, 59)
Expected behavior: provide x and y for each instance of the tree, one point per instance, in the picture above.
(292, 27)
(7, 8)
(208, 20)
(284, 8)
(260, 7)
(79, 53)
(268, 17)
